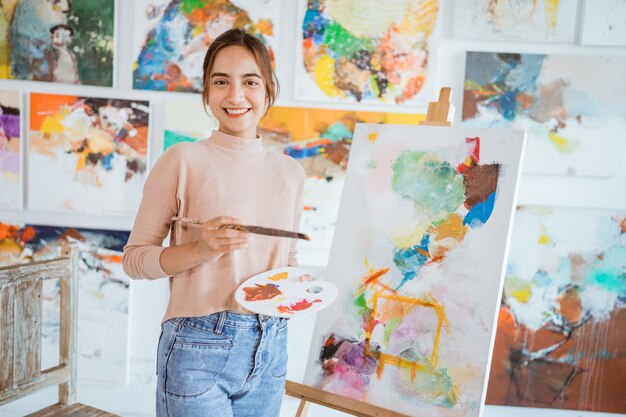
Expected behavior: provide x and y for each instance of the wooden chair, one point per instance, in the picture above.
(20, 334)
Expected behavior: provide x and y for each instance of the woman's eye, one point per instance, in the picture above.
(252, 82)
(219, 82)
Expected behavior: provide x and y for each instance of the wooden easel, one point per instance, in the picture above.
(440, 113)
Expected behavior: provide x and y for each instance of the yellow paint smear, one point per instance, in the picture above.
(278, 277)
(453, 228)
(373, 136)
(323, 71)
(562, 144)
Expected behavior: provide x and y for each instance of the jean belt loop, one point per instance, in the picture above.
(220, 322)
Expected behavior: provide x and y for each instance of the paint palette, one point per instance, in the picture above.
(285, 292)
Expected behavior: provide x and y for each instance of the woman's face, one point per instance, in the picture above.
(237, 92)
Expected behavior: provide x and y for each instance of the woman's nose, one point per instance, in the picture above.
(235, 93)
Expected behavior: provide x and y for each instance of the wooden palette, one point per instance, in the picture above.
(285, 292)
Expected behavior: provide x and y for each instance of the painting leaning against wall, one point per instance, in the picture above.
(560, 340)
(86, 155)
(172, 37)
(65, 41)
(103, 291)
(10, 150)
(418, 255)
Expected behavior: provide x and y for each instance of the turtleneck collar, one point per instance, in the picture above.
(235, 144)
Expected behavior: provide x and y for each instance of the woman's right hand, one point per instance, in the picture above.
(215, 242)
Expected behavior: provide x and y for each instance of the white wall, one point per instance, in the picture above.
(149, 299)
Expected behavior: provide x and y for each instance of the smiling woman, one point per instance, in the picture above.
(214, 354)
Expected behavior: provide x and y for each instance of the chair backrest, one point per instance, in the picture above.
(21, 327)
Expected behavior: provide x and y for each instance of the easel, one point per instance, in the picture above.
(440, 113)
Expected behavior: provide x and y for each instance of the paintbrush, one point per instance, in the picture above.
(258, 230)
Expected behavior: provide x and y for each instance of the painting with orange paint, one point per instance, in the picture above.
(172, 37)
(418, 257)
(561, 340)
(357, 51)
(575, 123)
(320, 140)
(520, 20)
(103, 291)
(87, 155)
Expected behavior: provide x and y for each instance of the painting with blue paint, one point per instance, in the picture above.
(419, 254)
(172, 37)
(574, 122)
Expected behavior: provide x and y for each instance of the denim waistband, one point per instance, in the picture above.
(229, 318)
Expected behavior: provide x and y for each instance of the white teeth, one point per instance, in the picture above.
(236, 111)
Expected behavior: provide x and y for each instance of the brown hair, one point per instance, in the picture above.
(238, 37)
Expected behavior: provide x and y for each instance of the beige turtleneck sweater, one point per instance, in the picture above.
(221, 176)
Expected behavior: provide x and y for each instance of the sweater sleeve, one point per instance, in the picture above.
(299, 206)
(159, 203)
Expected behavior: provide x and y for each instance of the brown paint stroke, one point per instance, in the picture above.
(261, 292)
(480, 181)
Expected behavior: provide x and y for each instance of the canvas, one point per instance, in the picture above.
(418, 256)
(172, 37)
(86, 155)
(358, 51)
(560, 341)
(575, 122)
(186, 121)
(10, 150)
(603, 23)
(520, 20)
(103, 291)
(61, 41)
(320, 139)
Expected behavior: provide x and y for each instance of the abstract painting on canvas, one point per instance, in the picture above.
(172, 37)
(560, 340)
(10, 150)
(86, 155)
(358, 51)
(574, 122)
(418, 256)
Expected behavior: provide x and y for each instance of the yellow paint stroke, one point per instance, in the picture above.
(543, 239)
(373, 136)
(562, 144)
(52, 124)
(551, 9)
(323, 73)
(413, 238)
(518, 289)
(278, 277)
(420, 17)
(453, 228)
(380, 291)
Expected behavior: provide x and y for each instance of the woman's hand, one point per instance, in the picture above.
(215, 242)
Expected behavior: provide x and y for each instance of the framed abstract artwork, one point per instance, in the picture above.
(11, 145)
(64, 41)
(172, 37)
(574, 122)
(358, 51)
(86, 155)
(560, 340)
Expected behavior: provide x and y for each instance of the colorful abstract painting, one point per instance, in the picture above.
(418, 256)
(172, 37)
(561, 340)
(518, 20)
(65, 41)
(103, 291)
(86, 155)
(320, 139)
(10, 145)
(575, 122)
(360, 51)
(603, 23)
(186, 121)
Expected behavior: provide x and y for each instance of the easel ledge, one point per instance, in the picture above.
(309, 395)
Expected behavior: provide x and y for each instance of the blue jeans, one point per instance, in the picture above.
(224, 365)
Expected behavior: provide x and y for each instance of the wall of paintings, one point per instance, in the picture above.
(92, 92)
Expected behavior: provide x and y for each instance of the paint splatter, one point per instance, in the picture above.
(300, 305)
(261, 292)
(278, 277)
